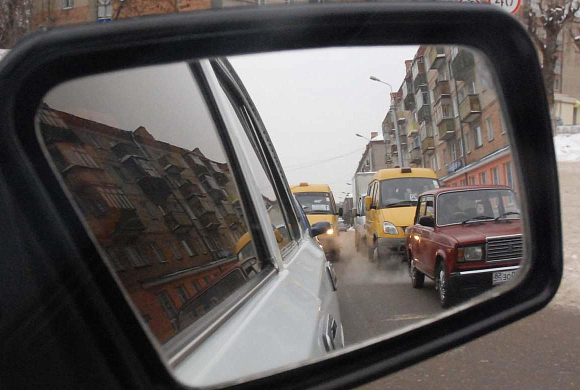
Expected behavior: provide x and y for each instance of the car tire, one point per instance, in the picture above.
(442, 286)
(417, 277)
(371, 253)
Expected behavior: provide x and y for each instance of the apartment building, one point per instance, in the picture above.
(168, 219)
(449, 119)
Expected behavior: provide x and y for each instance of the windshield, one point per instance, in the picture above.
(476, 205)
(316, 202)
(404, 191)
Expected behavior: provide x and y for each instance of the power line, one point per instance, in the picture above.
(298, 167)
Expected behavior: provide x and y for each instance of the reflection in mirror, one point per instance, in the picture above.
(420, 165)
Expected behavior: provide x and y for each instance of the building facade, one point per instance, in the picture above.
(168, 219)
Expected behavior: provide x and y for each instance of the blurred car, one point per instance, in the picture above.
(464, 238)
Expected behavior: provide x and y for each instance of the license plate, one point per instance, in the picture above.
(503, 276)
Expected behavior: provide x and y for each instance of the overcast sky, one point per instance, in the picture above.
(313, 102)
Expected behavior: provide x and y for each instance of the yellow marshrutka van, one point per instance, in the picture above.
(318, 204)
(390, 208)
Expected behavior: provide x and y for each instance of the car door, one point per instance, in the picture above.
(428, 245)
(417, 235)
(370, 216)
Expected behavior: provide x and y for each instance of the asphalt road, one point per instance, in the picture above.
(539, 352)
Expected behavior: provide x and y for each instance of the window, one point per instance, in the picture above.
(135, 256)
(438, 160)
(453, 152)
(158, 253)
(467, 142)
(167, 305)
(148, 167)
(190, 251)
(115, 197)
(478, 138)
(182, 292)
(495, 175)
(429, 210)
(67, 4)
(482, 178)
(432, 162)
(460, 145)
(79, 156)
(176, 251)
(472, 180)
(489, 129)
(508, 174)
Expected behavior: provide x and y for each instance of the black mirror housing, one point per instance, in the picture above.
(36, 65)
(319, 228)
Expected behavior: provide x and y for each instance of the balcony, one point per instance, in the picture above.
(424, 113)
(213, 188)
(156, 188)
(412, 128)
(171, 164)
(52, 134)
(463, 65)
(196, 164)
(408, 97)
(428, 145)
(420, 81)
(188, 189)
(209, 220)
(446, 128)
(415, 156)
(441, 90)
(178, 222)
(219, 173)
(394, 148)
(454, 166)
(125, 150)
(470, 109)
(436, 57)
(128, 224)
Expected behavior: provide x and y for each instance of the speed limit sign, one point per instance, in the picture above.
(510, 6)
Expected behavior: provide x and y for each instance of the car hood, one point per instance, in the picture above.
(398, 216)
(478, 232)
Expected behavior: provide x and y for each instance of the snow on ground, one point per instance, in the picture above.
(567, 147)
(569, 176)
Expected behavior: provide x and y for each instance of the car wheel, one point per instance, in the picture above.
(442, 286)
(417, 277)
(371, 253)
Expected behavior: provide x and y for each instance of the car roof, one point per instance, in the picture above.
(305, 187)
(395, 173)
(443, 190)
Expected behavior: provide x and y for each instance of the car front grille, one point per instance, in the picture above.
(504, 248)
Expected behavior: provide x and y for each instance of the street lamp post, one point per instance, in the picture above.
(393, 107)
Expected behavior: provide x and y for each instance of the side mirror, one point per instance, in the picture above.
(368, 201)
(340, 212)
(427, 220)
(319, 228)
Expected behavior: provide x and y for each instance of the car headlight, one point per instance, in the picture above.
(470, 253)
(389, 228)
(330, 231)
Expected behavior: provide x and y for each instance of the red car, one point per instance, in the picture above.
(464, 238)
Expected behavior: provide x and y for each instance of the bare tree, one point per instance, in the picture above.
(545, 23)
(14, 21)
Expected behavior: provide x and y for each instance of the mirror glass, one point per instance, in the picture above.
(390, 136)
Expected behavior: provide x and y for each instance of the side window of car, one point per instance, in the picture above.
(171, 226)
(421, 209)
(429, 209)
(376, 194)
(279, 217)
